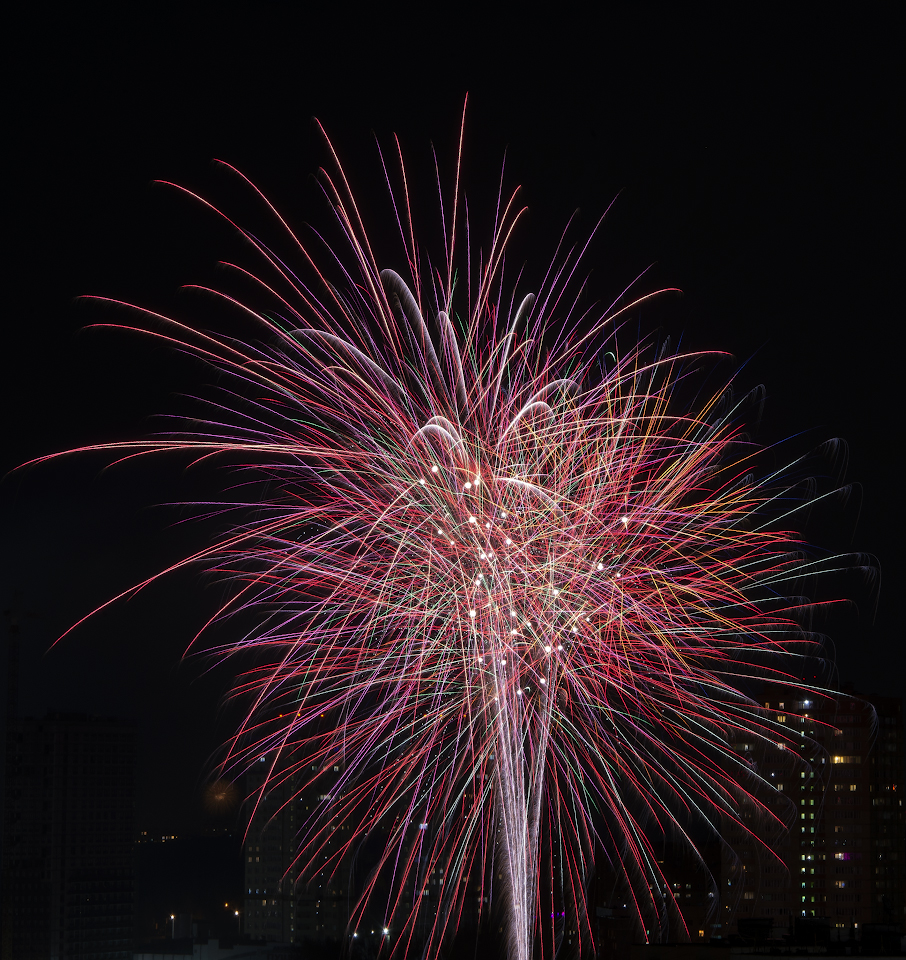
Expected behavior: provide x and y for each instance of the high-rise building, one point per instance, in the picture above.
(887, 877)
(838, 776)
(282, 903)
(68, 836)
(324, 893)
(270, 852)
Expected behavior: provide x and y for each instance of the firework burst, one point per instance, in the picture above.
(508, 578)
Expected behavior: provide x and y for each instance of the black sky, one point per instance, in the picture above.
(759, 166)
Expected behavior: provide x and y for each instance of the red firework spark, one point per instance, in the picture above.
(510, 580)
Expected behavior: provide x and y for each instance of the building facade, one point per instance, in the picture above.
(270, 848)
(887, 824)
(283, 903)
(68, 831)
(838, 775)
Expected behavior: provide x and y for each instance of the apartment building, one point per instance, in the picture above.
(828, 841)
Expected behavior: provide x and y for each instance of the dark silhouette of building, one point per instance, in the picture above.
(270, 853)
(887, 879)
(68, 829)
(289, 899)
(325, 890)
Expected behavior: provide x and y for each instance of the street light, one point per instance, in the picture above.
(238, 922)
(172, 926)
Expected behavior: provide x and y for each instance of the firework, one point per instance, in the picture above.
(221, 797)
(509, 578)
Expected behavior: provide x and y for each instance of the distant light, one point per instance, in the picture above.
(477, 481)
(471, 613)
(422, 481)
(508, 541)
(434, 468)
(600, 566)
(468, 485)
(472, 520)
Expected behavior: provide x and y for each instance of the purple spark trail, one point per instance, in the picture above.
(510, 578)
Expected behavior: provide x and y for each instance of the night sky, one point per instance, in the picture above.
(759, 167)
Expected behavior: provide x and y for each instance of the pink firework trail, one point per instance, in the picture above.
(509, 580)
